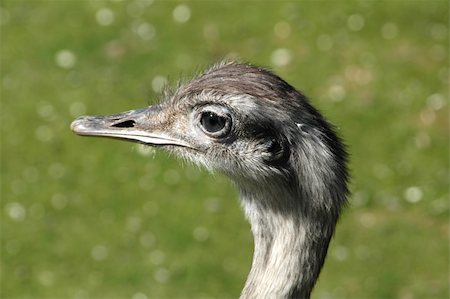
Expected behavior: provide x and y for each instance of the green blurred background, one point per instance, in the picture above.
(94, 218)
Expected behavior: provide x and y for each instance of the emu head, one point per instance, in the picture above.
(245, 122)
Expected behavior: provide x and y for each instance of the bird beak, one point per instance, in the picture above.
(136, 125)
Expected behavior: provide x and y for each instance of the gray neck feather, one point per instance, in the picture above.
(288, 252)
(292, 225)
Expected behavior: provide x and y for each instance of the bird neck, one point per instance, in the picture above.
(290, 244)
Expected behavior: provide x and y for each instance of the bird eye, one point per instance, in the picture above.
(214, 124)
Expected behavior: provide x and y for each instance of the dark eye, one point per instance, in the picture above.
(214, 124)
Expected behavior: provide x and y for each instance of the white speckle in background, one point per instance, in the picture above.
(134, 224)
(368, 58)
(213, 205)
(427, 116)
(392, 203)
(16, 211)
(201, 234)
(422, 140)
(161, 275)
(59, 201)
(158, 83)
(157, 257)
(281, 57)
(389, 31)
(56, 170)
(65, 59)
(381, 171)
(145, 150)
(183, 61)
(282, 30)
(4, 16)
(134, 10)
(362, 252)
(355, 22)
(146, 182)
(77, 109)
(359, 199)
(357, 74)
(46, 278)
(10, 82)
(45, 109)
(438, 52)
(439, 31)
(336, 92)
(340, 253)
(181, 13)
(324, 42)
(104, 17)
(413, 194)
(211, 32)
(99, 253)
(144, 3)
(436, 101)
(171, 177)
(139, 296)
(44, 133)
(115, 49)
(80, 294)
(367, 220)
(145, 31)
(147, 240)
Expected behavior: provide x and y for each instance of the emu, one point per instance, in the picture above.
(286, 160)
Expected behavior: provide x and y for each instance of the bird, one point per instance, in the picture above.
(287, 161)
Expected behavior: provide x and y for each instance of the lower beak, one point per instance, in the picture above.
(135, 125)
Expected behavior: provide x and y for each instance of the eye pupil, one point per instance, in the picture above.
(212, 122)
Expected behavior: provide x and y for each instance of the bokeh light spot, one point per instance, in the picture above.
(104, 17)
(158, 83)
(46, 278)
(161, 275)
(139, 296)
(145, 31)
(157, 257)
(389, 30)
(181, 13)
(413, 194)
(201, 234)
(336, 92)
(281, 57)
(44, 133)
(16, 211)
(99, 253)
(282, 30)
(65, 59)
(436, 101)
(324, 42)
(355, 22)
(77, 109)
(439, 31)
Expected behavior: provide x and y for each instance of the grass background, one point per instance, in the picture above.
(93, 218)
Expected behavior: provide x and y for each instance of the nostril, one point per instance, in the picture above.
(125, 124)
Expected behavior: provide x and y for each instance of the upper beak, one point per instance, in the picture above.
(136, 125)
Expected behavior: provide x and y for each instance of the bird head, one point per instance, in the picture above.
(237, 119)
